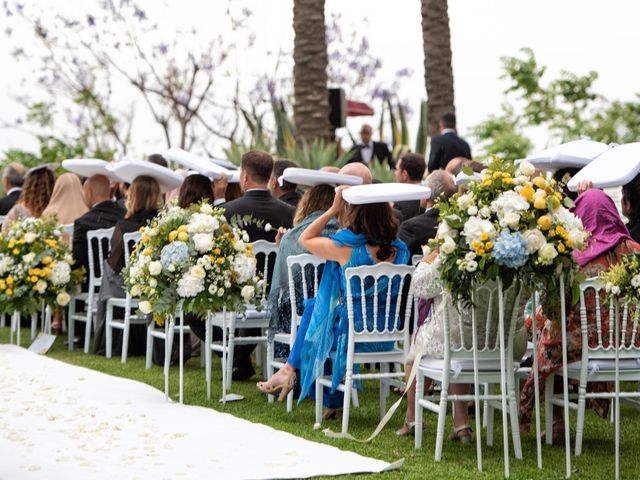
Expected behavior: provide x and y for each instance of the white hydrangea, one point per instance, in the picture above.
(239, 245)
(485, 212)
(30, 237)
(474, 227)
(203, 242)
(60, 273)
(6, 264)
(206, 209)
(466, 201)
(509, 202)
(244, 266)
(202, 223)
(29, 257)
(190, 285)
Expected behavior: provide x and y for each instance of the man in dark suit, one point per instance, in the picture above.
(256, 170)
(369, 150)
(103, 213)
(417, 231)
(12, 179)
(410, 169)
(447, 145)
(286, 192)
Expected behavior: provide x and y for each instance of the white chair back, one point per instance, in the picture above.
(385, 286)
(303, 269)
(416, 259)
(266, 252)
(2, 217)
(130, 240)
(98, 247)
(68, 230)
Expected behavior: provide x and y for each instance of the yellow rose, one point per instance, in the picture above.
(34, 279)
(527, 192)
(9, 280)
(183, 228)
(540, 203)
(47, 260)
(544, 222)
(147, 252)
(9, 292)
(476, 245)
(11, 244)
(46, 272)
(539, 182)
(172, 235)
(16, 251)
(3, 285)
(220, 260)
(216, 251)
(52, 243)
(183, 236)
(488, 246)
(561, 248)
(481, 252)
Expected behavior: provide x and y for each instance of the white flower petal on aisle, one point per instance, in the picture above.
(69, 422)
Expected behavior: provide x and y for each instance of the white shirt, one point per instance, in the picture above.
(366, 152)
(447, 130)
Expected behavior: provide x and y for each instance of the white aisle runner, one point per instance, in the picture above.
(59, 421)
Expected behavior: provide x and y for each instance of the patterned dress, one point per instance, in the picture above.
(550, 340)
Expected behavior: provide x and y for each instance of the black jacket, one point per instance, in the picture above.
(634, 229)
(292, 198)
(409, 209)
(418, 230)
(103, 215)
(7, 202)
(126, 225)
(380, 151)
(261, 206)
(446, 147)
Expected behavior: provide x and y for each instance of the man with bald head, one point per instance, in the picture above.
(368, 151)
(103, 213)
(358, 170)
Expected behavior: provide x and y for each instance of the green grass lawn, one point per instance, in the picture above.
(597, 460)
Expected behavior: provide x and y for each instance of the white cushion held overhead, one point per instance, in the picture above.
(129, 170)
(224, 163)
(203, 165)
(385, 192)
(575, 154)
(311, 178)
(233, 176)
(88, 167)
(614, 168)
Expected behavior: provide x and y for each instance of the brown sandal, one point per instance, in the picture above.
(458, 436)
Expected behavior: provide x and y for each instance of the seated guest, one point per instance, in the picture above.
(448, 145)
(287, 192)
(34, 197)
(410, 169)
(608, 243)
(369, 237)
(631, 207)
(103, 213)
(314, 203)
(143, 201)
(194, 189)
(368, 151)
(257, 201)
(417, 231)
(67, 201)
(12, 180)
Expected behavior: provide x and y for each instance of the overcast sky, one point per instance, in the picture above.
(577, 35)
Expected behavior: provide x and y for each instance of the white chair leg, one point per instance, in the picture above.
(485, 408)
(548, 410)
(202, 347)
(384, 391)
(269, 369)
(513, 415)
(318, 404)
(491, 414)
(125, 337)
(72, 322)
(34, 325)
(346, 406)
(149, 346)
(355, 399)
(442, 415)
(108, 331)
(231, 341)
(88, 325)
(3, 320)
(580, 421)
(418, 410)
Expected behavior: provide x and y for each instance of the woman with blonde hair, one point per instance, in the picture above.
(67, 201)
(34, 197)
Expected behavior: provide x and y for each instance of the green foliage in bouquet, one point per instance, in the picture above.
(622, 280)
(510, 225)
(194, 256)
(35, 267)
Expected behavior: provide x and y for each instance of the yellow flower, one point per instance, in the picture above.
(484, 236)
(47, 260)
(481, 252)
(183, 236)
(539, 182)
(506, 175)
(476, 245)
(9, 280)
(561, 248)
(183, 228)
(3, 285)
(544, 222)
(34, 279)
(51, 243)
(11, 244)
(497, 174)
(220, 260)
(555, 203)
(46, 272)
(568, 242)
(9, 292)
(540, 202)
(145, 238)
(488, 246)
(16, 251)
(141, 229)
(527, 192)
(216, 251)
(486, 182)
(172, 235)
(147, 252)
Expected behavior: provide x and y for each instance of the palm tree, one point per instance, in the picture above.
(311, 105)
(438, 74)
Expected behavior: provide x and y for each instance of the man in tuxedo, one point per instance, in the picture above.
(410, 169)
(447, 145)
(12, 179)
(417, 231)
(257, 201)
(286, 192)
(103, 213)
(369, 150)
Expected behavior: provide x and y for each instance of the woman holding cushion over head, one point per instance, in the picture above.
(368, 238)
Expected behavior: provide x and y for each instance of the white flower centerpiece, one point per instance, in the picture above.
(36, 267)
(511, 225)
(194, 256)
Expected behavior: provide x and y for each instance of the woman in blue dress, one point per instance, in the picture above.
(369, 237)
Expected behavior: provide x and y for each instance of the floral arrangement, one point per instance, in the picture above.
(622, 280)
(511, 224)
(35, 267)
(194, 256)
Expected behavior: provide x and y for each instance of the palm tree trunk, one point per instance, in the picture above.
(438, 74)
(311, 106)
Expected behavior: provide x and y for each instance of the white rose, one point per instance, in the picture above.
(472, 211)
(268, 227)
(172, 268)
(40, 286)
(203, 242)
(535, 240)
(547, 253)
(155, 268)
(444, 231)
(448, 246)
(465, 201)
(30, 237)
(615, 290)
(525, 168)
(220, 291)
(511, 219)
(135, 291)
(247, 292)
(153, 283)
(485, 212)
(63, 299)
(470, 256)
(472, 266)
(206, 209)
(29, 257)
(635, 281)
(197, 271)
(145, 307)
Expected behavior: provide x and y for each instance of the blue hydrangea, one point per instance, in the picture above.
(176, 254)
(510, 250)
